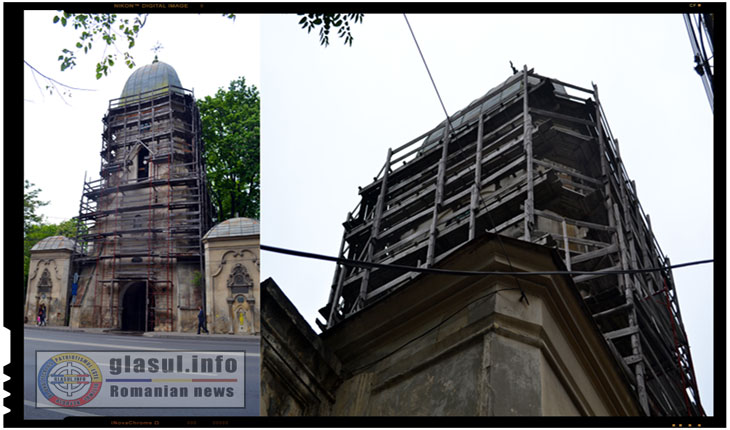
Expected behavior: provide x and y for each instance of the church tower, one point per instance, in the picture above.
(141, 222)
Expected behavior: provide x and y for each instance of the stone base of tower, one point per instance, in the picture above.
(169, 305)
(450, 345)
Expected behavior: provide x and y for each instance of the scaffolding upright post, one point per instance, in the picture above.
(527, 130)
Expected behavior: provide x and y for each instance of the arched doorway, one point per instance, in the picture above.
(134, 307)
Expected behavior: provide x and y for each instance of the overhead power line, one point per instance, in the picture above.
(371, 265)
(450, 127)
(429, 73)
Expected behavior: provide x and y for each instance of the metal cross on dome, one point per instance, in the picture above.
(158, 47)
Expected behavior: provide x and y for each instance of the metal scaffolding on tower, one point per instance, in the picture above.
(148, 210)
(533, 159)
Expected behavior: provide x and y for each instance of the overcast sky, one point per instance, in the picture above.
(62, 141)
(330, 114)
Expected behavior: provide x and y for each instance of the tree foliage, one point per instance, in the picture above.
(31, 203)
(231, 136)
(328, 21)
(39, 231)
(106, 26)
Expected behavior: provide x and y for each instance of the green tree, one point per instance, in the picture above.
(231, 136)
(39, 231)
(31, 203)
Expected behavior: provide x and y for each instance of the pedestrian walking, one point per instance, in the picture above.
(42, 315)
(201, 320)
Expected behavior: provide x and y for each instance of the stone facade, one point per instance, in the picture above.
(48, 280)
(452, 346)
(232, 274)
(231, 284)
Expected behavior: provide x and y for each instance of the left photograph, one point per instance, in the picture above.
(141, 215)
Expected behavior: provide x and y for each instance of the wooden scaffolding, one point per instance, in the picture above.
(534, 159)
(150, 208)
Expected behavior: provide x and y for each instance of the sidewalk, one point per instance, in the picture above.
(157, 334)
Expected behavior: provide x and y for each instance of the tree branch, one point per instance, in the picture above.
(55, 81)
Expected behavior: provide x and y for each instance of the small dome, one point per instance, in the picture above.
(55, 242)
(151, 77)
(234, 227)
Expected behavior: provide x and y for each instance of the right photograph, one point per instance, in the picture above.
(488, 215)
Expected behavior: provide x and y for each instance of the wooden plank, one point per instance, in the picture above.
(376, 224)
(574, 221)
(607, 312)
(582, 241)
(595, 254)
(476, 187)
(527, 133)
(549, 114)
(473, 211)
(598, 274)
(566, 245)
(565, 84)
(554, 166)
(628, 331)
(633, 359)
(439, 198)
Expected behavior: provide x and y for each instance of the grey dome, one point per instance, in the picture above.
(151, 77)
(234, 227)
(55, 242)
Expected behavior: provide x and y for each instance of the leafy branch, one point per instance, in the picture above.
(328, 21)
(104, 26)
(52, 84)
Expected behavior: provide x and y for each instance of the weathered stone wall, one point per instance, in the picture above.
(231, 306)
(50, 268)
(188, 296)
(449, 346)
(298, 373)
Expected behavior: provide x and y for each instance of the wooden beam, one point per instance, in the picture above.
(598, 274)
(579, 223)
(376, 225)
(628, 331)
(611, 311)
(595, 254)
(633, 359)
(549, 114)
(530, 200)
(560, 169)
(430, 254)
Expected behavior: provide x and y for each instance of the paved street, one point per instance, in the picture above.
(50, 339)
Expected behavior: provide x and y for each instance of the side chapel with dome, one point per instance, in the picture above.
(146, 256)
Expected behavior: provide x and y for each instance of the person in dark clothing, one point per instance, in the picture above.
(201, 320)
(42, 315)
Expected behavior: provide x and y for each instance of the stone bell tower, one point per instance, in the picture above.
(141, 222)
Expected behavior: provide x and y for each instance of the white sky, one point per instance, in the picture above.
(206, 51)
(330, 114)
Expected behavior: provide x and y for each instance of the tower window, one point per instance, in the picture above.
(143, 167)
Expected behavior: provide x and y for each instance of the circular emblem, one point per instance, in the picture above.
(69, 379)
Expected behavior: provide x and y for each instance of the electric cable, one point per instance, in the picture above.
(429, 73)
(371, 265)
(461, 147)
